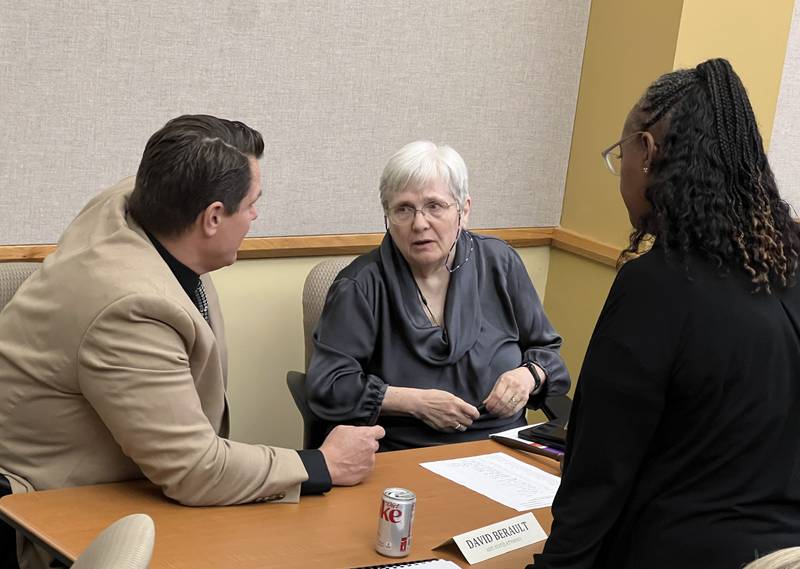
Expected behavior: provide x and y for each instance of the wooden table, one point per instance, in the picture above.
(335, 530)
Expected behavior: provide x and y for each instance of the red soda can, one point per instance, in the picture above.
(394, 522)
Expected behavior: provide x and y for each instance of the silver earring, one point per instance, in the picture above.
(645, 169)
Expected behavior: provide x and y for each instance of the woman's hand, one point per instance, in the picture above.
(511, 391)
(438, 409)
(444, 411)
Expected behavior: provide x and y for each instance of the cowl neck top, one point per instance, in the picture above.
(462, 316)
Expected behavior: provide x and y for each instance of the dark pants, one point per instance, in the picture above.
(8, 537)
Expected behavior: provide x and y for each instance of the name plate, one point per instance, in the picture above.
(495, 539)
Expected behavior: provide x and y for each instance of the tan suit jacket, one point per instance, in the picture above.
(109, 372)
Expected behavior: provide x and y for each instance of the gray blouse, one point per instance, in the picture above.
(374, 332)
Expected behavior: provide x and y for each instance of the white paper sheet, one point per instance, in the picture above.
(514, 433)
(502, 478)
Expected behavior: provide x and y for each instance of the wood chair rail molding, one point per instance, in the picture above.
(357, 243)
(584, 246)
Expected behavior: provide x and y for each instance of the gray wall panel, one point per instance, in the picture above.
(785, 141)
(335, 87)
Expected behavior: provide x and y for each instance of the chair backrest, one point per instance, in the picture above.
(12, 275)
(125, 544)
(788, 558)
(315, 291)
(557, 408)
(314, 429)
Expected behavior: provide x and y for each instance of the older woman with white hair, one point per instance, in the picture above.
(438, 334)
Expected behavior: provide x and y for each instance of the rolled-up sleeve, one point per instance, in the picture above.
(338, 388)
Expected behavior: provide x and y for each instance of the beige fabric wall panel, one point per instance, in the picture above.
(786, 128)
(335, 87)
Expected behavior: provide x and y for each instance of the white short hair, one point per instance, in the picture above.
(788, 558)
(420, 163)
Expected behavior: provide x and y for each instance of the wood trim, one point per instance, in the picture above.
(10, 253)
(357, 243)
(307, 245)
(584, 246)
(522, 236)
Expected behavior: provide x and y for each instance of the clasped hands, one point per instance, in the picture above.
(446, 412)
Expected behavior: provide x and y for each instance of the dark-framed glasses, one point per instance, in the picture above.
(403, 214)
(613, 154)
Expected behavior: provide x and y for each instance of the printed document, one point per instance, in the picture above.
(502, 478)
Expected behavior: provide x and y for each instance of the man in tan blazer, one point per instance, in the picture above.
(112, 355)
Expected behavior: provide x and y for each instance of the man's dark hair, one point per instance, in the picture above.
(711, 188)
(191, 162)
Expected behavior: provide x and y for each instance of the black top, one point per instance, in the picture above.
(185, 276)
(374, 332)
(319, 479)
(683, 445)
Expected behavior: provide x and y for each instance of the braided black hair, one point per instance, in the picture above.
(710, 185)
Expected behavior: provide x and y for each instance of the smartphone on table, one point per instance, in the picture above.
(552, 434)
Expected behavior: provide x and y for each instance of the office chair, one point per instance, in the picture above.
(12, 275)
(315, 290)
(125, 544)
(557, 408)
(314, 429)
(788, 558)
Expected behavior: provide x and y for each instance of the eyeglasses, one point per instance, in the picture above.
(614, 159)
(403, 214)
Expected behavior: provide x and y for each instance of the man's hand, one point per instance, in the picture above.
(350, 453)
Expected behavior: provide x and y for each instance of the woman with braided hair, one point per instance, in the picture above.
(683, 445)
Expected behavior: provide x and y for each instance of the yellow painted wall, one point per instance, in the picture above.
(629, 44)
(751, 35)
(577, 289)
(261, 300)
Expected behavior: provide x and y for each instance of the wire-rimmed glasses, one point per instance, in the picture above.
(613, 159)
(404, 214)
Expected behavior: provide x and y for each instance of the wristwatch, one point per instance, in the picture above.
(537, 383)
